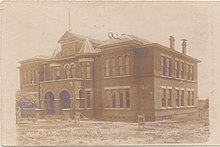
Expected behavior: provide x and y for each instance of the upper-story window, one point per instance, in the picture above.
(190, 72)
(163, 67)
(73, 70)
(113, 66)
(181, 70)
(177, 69)
(106, 67)
(127, 67)
(88, 70)
(67, 71)
(55, 73)
(120, 65)
(169, 67)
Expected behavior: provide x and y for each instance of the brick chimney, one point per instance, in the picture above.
(172, 42)
(184, 46)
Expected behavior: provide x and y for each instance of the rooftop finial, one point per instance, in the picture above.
(69, 20)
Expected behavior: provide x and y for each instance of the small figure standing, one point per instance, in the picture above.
(141, 121)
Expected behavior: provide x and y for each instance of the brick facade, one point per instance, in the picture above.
(113, 79)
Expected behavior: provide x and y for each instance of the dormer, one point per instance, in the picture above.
(71, 43)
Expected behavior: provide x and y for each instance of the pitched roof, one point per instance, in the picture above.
(34, 58)
(56, 52)
(125, 38)
(68, 35)
(87, 47)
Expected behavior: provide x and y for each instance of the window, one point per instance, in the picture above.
(108, 97)
(33, 79)
(177, 98)
(192, 72)
(24, 77)
(88, 99)
(163, 99)
(169, 97)
(182, 97)
(106, 67)
(53, 73)
(80, 99)
(193, 98)
(57, 73)
(121, 99)
(67, 71)
(83, 73)
(177, 69)
(188, 98)
(188, 72)
(113, 66)
(113, 100)
(88, 70)
(117, 98)
(163, 68)
(120, 65)
(73, 70)
(127, 97)
(169, 71)
(127, 68)
(181, 70)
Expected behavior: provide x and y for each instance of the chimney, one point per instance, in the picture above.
(172, 42)
(184, 46)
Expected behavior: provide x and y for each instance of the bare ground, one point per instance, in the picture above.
(59, 132)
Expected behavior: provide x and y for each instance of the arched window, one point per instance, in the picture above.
(67, 71)
(113, 66)
(73, 70)
(88, 70)
(106, 67)
(127, 66)
(65, 99)
(49, 103)
(120, 65)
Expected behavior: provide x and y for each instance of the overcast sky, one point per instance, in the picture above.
(33, 28)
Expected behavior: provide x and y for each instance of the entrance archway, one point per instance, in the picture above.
(64, 99)
(49, 103)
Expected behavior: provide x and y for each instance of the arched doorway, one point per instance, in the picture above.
(65, 99)
(49, 103)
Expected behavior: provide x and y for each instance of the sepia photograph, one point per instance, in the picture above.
(109, 73)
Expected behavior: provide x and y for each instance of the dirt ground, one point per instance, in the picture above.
(60, 132)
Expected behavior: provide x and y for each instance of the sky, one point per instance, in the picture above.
(33, 28)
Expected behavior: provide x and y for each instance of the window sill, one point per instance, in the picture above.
(121, 76)
(30, 85)
(117, 109)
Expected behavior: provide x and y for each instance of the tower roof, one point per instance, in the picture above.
(87, 47)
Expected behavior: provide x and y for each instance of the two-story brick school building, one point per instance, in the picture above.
(114, 79)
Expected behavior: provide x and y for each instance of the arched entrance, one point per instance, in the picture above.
(49, 103)
(64, 99)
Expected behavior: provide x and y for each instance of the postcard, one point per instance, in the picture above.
(109, 73)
